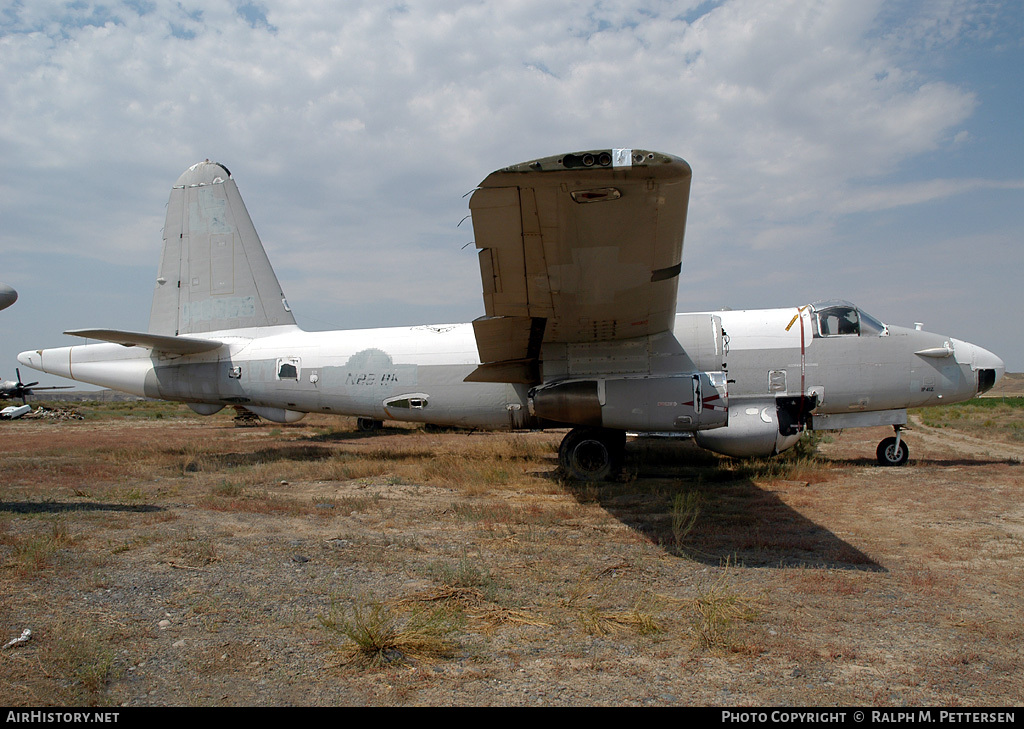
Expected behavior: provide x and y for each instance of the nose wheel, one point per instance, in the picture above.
(893, 451)
(592, 454)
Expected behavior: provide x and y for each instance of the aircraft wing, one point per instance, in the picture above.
(156, 342)
(580, 247)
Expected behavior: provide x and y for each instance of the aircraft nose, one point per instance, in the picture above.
(989, 367)
(988, 361)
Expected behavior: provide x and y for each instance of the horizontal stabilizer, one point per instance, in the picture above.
(156, 342)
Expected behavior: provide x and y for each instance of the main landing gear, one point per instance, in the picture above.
(893, 451)
(592, 454)
(368, 425)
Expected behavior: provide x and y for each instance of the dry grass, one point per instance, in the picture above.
(378, 635)
(719, 610)
(180, 560)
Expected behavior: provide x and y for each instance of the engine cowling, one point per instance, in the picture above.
(686, 402)
(754, 430)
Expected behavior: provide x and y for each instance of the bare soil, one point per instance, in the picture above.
(184, 561)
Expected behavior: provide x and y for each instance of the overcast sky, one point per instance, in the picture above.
(857, 149)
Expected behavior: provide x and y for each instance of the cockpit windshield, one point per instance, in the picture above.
(841, 318)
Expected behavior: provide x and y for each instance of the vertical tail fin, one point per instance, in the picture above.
(214, 273)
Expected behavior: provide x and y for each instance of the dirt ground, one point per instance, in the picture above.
(184, 561)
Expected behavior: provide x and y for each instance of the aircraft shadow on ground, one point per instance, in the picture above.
(56, 507)
(942, 462)
(345, 435)
(736, 520)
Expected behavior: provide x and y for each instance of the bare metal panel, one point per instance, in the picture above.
(838, 421)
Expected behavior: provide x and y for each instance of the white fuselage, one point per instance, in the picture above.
(417, 373)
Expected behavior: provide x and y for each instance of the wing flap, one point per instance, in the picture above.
(156, 342)
(509, 348)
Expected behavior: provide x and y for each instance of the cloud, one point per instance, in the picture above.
(354, 129)
(916, 193)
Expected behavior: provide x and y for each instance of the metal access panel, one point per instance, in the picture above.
(686, 402)
(838, 421)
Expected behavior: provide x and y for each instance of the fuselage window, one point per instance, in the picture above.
(288, 368)
(416, 401)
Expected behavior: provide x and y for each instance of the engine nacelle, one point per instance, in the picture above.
(754, 430)
(684, 402)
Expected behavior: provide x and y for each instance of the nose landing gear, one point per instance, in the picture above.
(893, 451)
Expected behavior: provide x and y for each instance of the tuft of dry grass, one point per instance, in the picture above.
(82, 652)
(604, 621)
(718, 611)
(37, 551)
(685, 511)
(378, 635)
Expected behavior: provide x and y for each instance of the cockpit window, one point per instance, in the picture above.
(837, 321)
(841, 318)
(870, 326)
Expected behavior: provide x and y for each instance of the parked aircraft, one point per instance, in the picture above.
(7, 296)
(580, 256)
(11, 389)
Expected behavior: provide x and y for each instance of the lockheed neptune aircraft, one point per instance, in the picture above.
(580, 256)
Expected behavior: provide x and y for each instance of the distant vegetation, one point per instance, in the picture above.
(117, 409)
(1002, 417)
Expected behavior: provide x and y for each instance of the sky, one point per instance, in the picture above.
(857, 149)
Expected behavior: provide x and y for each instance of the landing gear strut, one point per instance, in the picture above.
(893, 451)
(592, 454)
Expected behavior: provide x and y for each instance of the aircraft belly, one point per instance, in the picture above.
(428, 393)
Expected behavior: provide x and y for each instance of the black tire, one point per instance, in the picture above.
(368, 425)
(889, 455)
(592, 454)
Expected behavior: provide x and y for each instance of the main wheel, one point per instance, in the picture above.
(368, 424)
(890, 455)
(592, 454)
